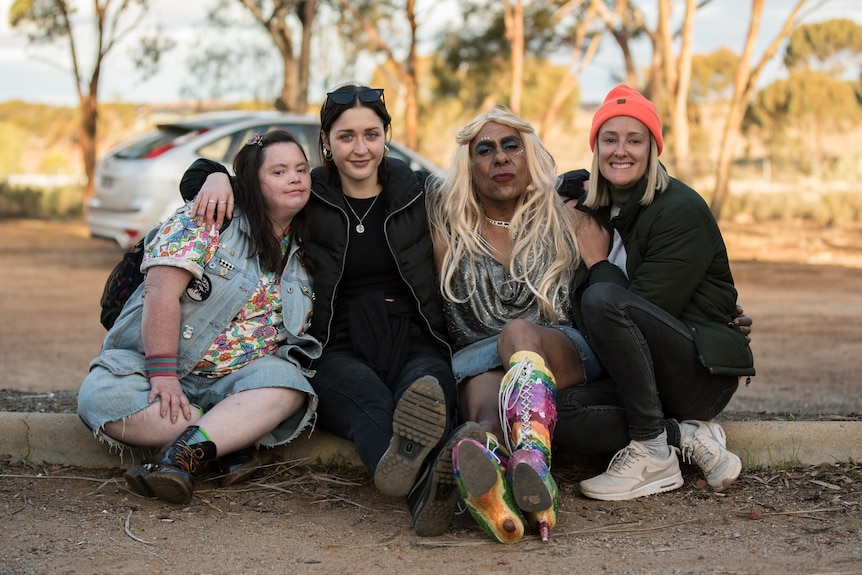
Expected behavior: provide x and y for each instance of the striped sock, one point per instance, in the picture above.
(199, 436)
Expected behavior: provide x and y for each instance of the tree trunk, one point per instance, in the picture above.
(678, 82)
(87, 133)
(515, 32)
(411, 123)
(280, 32)
(743, 88)
(306, 11)
(572, 78)
(406, 69)
(631, 22)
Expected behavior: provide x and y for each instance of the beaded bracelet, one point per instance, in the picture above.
(161, 365)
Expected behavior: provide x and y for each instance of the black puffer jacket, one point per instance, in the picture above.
(407, 234)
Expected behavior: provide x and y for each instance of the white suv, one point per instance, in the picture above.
(137, 183)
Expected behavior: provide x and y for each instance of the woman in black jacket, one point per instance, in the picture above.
(658, 307)
(384, 379)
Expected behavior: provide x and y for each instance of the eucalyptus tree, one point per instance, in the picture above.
(745, 80)
(60, 22)
(821, 94)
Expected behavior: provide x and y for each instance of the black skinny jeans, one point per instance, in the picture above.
(356, 403)
(655, 377)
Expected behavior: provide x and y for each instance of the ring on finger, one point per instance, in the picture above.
(211, 201)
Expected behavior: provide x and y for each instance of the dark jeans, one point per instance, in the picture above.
(655, 378)
(355, 402)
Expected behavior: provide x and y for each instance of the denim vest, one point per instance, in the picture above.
(232, 276)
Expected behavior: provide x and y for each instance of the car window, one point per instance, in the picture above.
(217, 149)
(224, 149)
(150, 143)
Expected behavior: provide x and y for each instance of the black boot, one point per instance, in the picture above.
(240, 465)
(169, 475)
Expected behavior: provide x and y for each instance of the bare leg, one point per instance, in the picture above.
(556, 349)
(148, 428)
(234, 423)
(239, 420)
(480, 398)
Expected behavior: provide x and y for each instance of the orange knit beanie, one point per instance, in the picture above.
(626, 101)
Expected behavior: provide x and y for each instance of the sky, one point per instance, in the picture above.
(35, 74)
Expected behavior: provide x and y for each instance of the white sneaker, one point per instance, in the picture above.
(635, 472)
(706, 449)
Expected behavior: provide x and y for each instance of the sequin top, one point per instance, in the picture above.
(496, 300)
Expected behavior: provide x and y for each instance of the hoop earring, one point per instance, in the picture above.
(327, 154)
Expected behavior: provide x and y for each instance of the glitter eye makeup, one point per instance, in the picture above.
(510, 145)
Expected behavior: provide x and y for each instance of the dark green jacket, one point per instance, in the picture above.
(676, 259)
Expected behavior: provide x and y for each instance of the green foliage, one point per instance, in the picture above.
(11, 150)
(798, 204)
(29, 202)
(806, 98)
(473, 61)
(43, 20)
(150, 52)
(807, 109)
(54, 162)
(833, 44)
(712, 75)
(52, 123)
(19, 202)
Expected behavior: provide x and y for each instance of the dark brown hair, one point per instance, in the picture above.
(249, 199)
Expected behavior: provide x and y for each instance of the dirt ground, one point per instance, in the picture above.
(802, 286)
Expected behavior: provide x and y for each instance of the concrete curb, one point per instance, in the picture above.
(61, 438)
(47, 438)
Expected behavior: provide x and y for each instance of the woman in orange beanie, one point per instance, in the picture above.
(658, 305)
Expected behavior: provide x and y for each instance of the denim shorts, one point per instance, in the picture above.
(482, 356)
(111, 395)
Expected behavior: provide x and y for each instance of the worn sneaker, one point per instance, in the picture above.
(635, 472)
(433, 501)
(706, 448)
(418, 425)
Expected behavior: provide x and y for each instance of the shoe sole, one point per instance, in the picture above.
(439, 499)
(478, 473)
(418, 425)
(136, 480)
(660, 486)
(169, 486)
(479, 477)
(531, 493)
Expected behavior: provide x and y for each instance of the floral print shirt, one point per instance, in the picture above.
(258, 327)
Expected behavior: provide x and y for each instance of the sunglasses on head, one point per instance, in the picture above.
(368, 96)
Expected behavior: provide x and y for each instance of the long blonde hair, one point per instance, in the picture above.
(545, 252)
(599, 194)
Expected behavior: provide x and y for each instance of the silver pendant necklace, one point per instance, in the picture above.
(359, 227)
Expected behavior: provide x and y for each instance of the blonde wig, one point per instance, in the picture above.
(544, 254)
(658, 179)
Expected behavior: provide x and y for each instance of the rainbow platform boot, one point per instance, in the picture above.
(528, 412)
(481, 478)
